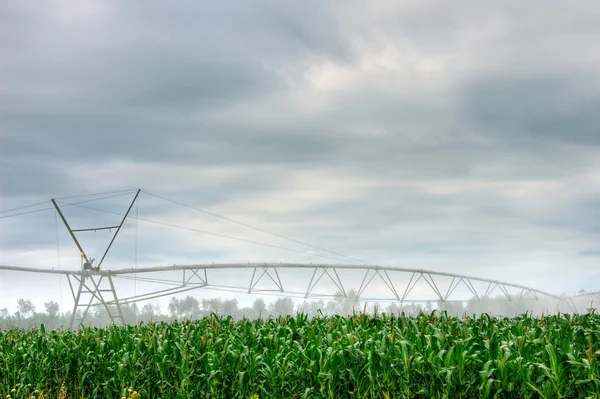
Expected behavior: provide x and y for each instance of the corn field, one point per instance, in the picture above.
(426, 356)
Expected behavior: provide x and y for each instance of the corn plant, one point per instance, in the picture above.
(426, 356)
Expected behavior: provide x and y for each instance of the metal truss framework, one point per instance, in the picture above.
(585, 298)
(95, 287)
(106, 297)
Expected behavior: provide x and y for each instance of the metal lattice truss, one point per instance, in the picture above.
(96, 287)
(89, 288)
(92, 286)
(583, 300)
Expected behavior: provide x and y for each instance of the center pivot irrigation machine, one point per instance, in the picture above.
(94, 285)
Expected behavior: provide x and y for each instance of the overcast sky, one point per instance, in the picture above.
(455, 136)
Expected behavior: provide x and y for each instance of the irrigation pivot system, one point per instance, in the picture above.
(93, 285)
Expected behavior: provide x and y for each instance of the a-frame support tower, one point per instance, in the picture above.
(92, 286)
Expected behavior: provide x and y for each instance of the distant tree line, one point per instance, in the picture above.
(27, 316)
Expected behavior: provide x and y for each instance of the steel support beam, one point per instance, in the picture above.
(119, 228)
(298, 266)
(62, 217)
(325, 271)
(254, 282)
(96, 298)
(410, 285)
(87, 286)
(203, 280)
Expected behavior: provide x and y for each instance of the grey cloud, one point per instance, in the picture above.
(592, 253)
(521, 108)
(101, 138)
(31, 177)
(138, 61)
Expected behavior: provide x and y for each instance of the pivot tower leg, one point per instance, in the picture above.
(92, 292)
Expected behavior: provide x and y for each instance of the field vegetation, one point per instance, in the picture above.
(359, 356)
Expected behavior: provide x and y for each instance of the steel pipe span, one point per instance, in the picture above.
(214, 266)
(95, 287)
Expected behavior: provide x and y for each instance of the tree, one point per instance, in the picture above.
(130, 313)
(52, 309)
(25, 307)
(282, 307)
(148, 312)
(174, 307)
(229, 307)
(311, 308)
(214, 305)
(185, 308)
(259, 308)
